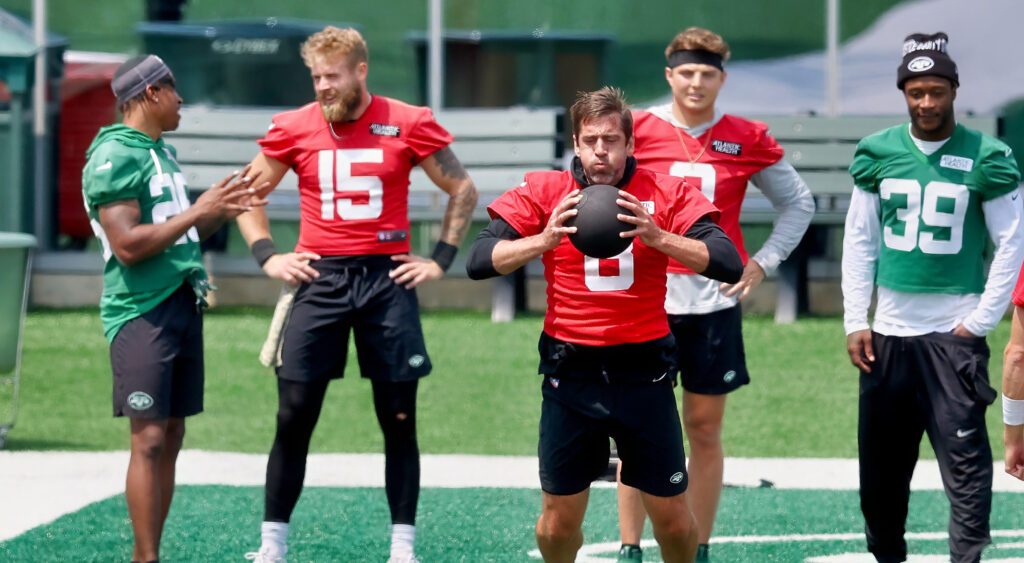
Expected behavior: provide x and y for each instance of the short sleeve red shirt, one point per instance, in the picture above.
(1018, 290)
(604, 302)
(731, 151)
(354, 176)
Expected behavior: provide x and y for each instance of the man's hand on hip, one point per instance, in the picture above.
(292, 267)
(414, 270)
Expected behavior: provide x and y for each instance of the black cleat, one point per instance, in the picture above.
(630, 554)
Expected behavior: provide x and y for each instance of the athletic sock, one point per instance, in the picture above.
(403, 539)
(702, 552)
(274, 536)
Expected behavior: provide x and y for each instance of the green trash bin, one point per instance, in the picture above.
(241, 62)
(498, 68)
(17, 166)
(15, 268)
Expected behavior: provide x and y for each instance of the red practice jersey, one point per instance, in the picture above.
(1018, 290)
(731, 151)
(603, 302)
(354, 179)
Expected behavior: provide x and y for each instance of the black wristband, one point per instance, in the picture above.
(444, 254)
(262, 250)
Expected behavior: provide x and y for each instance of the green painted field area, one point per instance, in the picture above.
(220, 523)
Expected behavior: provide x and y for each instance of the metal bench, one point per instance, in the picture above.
(498, 146)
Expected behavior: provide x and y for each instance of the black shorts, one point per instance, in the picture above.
(711, 356)
(579, 415)
(354, 294)
(157, 360)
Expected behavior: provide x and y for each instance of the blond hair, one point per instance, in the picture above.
(599, 103)
(333, 43)
(698, 39)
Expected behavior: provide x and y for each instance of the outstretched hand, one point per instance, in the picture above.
(233, 195)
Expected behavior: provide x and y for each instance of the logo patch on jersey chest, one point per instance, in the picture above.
(961, 163)
(726, 147)
(384, 130)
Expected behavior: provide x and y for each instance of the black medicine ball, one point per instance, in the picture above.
(597, 227)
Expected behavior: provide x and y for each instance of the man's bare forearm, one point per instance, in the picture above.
(254, 225)
(459, 214)
(445, 170)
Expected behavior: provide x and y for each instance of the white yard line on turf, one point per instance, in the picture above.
(605, 552)
(38, 487)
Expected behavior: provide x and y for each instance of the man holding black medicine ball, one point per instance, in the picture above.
(607, 354)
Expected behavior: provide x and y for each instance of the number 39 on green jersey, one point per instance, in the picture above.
(933, 226)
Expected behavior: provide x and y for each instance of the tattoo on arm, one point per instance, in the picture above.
(449, 164)
(459, 214)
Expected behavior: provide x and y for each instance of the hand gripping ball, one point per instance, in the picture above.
(597, 227)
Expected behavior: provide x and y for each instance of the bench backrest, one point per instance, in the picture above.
(497, 146)
(821, 149)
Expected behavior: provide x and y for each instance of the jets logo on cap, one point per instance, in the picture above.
(920, 64)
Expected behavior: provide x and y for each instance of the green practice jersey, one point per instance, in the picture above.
(126, 164)
(933, 228)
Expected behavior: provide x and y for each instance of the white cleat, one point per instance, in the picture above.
(404, 559)
(264, 556)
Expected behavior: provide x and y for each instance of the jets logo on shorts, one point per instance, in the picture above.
(676, 478)
(416, 360)
(729, 376)
(140, 401)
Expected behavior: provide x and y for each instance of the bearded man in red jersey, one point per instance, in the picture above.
(353, 153)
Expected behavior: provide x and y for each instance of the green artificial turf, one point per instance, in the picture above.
(482, 398)
(221, 523)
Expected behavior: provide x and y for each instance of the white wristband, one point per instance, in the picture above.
(1013, 411)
